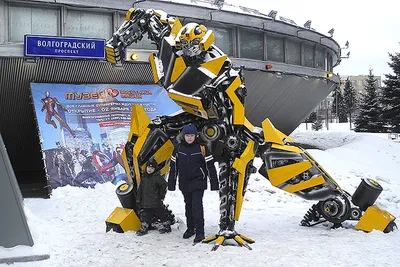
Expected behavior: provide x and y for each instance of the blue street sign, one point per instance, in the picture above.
(66, 47)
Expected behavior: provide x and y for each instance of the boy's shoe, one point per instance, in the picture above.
(188, 233)
(144, 229)
(166, 228)
(198, 238)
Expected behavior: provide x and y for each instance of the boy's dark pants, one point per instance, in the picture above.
(194, 210)
(148, 214)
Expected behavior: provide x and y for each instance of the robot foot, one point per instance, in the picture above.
(220, 238)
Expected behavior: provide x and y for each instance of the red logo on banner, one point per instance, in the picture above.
(112, 92)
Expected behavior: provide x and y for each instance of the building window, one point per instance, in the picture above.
(320, 58)
(32, 20)
(223, 39)
(89, 24)
(275, 49)
(308, 55)
(251, 44)
(329, 63)
(293, 52)
(145, 43)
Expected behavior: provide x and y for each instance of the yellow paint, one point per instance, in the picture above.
(374, 182)
(161, 14)
(248, 124)
(124, 187)
(189, 104)
(247, 239)
(220, 240)
(283, 136)
(154, 68)
(207, 41)
(176, 27)
(238, 108)
(270, 133)
(210, 131)
(165, 169)
(111, 59)
(240, 165)
(126, 218)
(188, 32)
(239, 240)
(214, 65)
(210, 238)
(306, 184)
(139, 121)
(322, 170)
(179, 68)
(279, 175)
(287, 148)
(129, 13)
(136, 150)
(374, 218)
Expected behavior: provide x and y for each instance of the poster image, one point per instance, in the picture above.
(83, 128)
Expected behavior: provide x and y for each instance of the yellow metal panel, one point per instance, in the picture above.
(136, 150)
(154, 68)
(189, 104)
(238, 108)
(139, 121)
(126, 166)
(240, 165)
(374, 218)
(129, 13)
(161, 14)
(179, 68)
(165, 169)
(126, 218)
(283, 136)
(248, 124)
(207, 40)
(322, 170)
(215, 64)
(282, 174)
(306, 184)
(287, 148)
(176, 27)
(270, 133)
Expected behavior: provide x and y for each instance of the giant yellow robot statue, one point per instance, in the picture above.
(200, 78)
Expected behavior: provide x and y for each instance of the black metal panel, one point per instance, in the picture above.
(17, 118)
(285, 99)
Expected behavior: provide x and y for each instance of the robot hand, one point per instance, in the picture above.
(131, 31)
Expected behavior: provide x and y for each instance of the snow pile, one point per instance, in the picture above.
(74, 219)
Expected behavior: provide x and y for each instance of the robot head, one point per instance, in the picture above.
(47, 93)
(193, 39)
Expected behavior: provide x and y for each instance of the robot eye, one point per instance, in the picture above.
(184, 30)
(195, 41)
(197, 30)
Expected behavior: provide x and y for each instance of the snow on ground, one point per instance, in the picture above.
(72, 221)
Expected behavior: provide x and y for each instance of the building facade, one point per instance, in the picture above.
(287, 68)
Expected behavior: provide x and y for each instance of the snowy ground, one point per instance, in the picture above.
(72, 221)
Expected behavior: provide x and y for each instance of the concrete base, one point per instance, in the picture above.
(23, 254)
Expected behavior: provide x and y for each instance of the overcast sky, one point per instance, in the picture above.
(371, 27)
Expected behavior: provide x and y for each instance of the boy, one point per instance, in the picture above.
(191, 163)
(151, 193)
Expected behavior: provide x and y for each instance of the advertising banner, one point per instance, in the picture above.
(83, 128)
(65, 47)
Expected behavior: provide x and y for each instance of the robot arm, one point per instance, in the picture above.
(138, 22)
